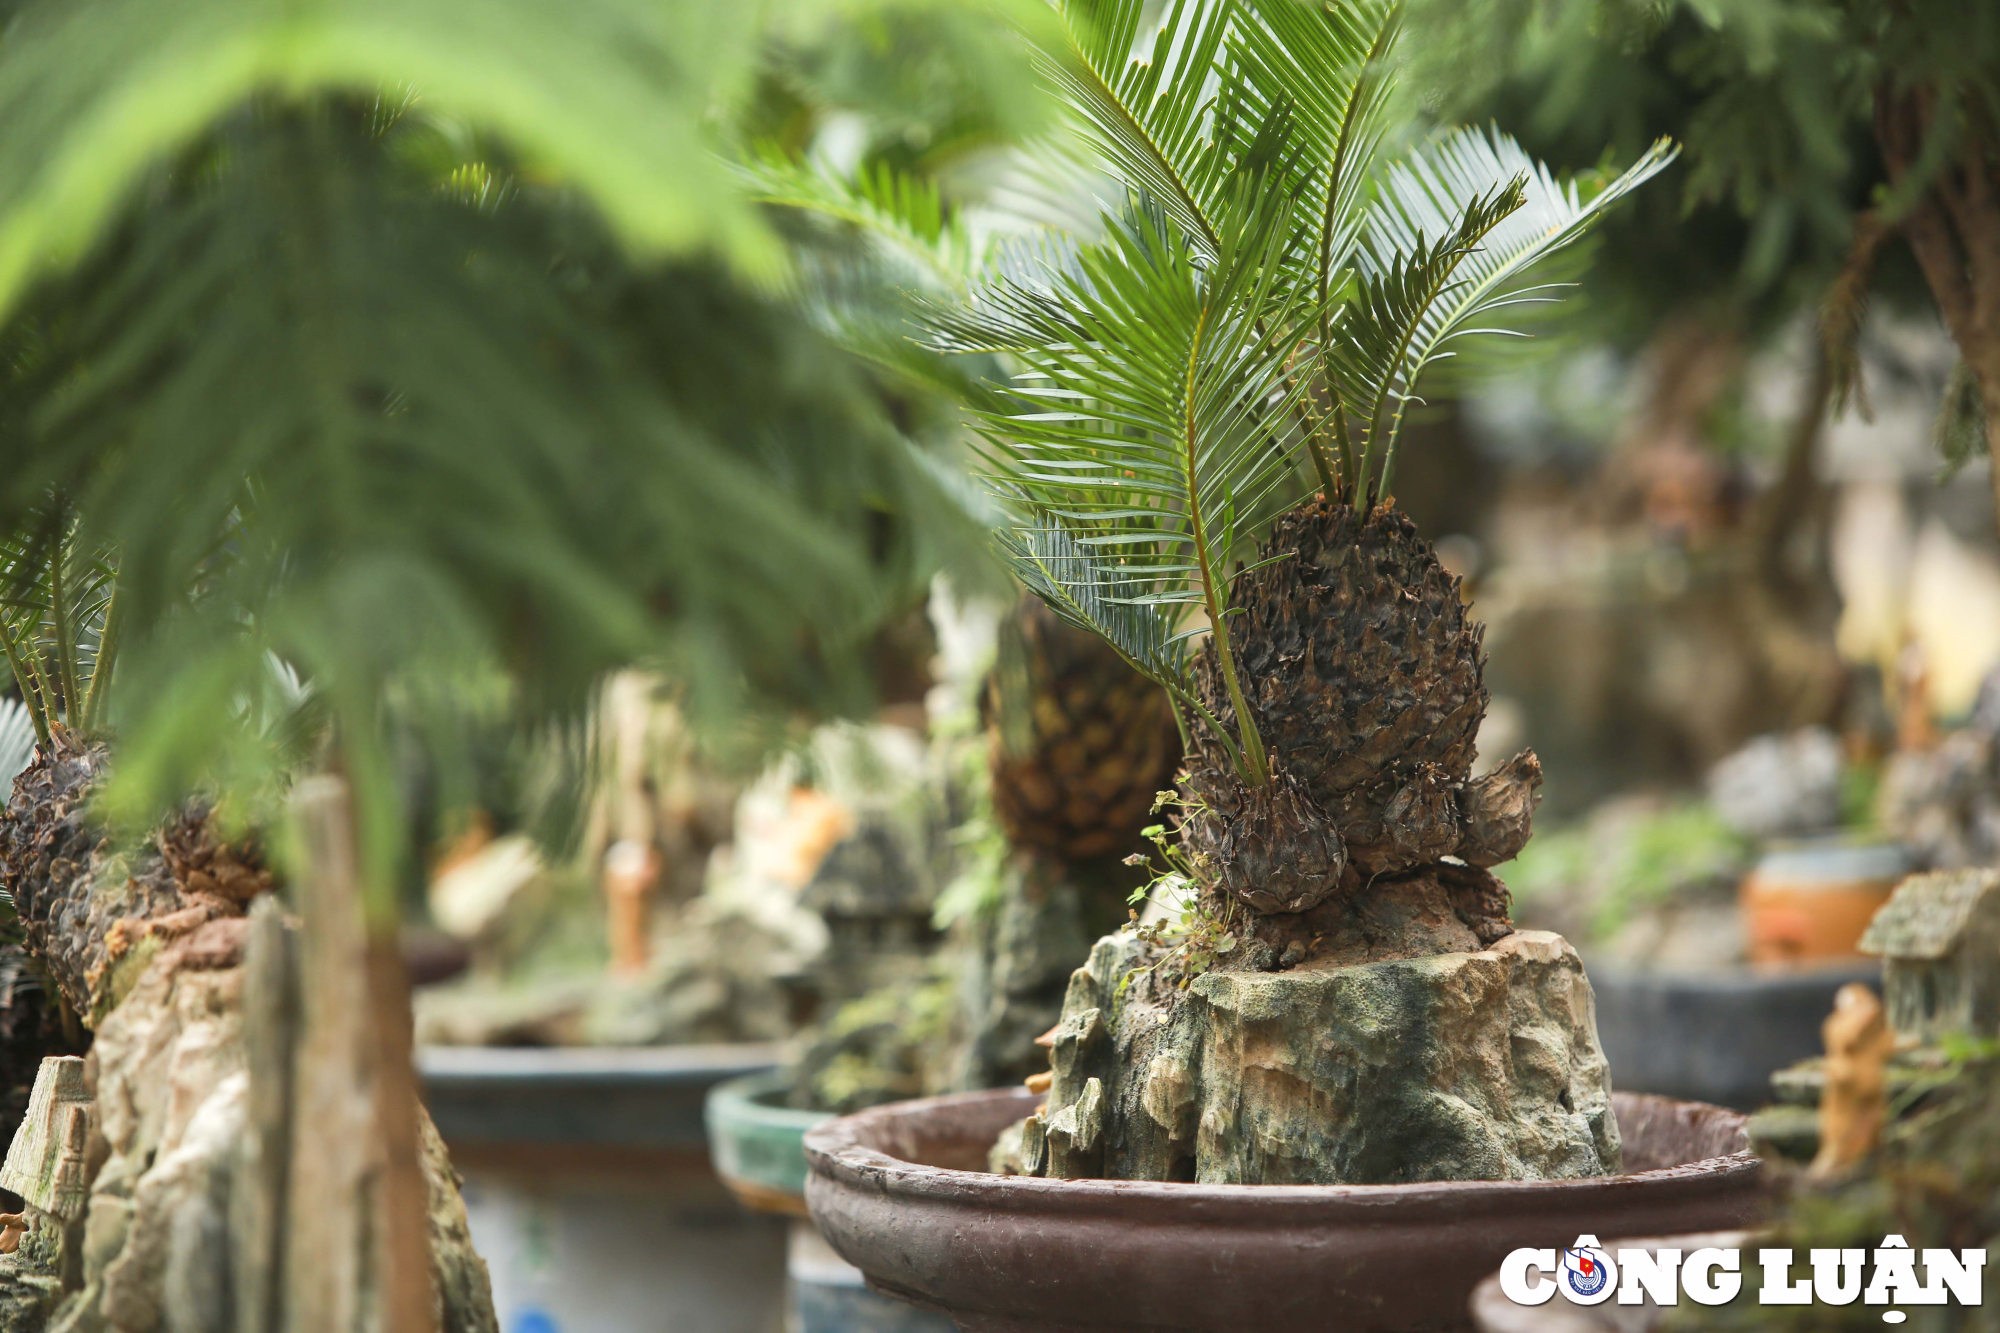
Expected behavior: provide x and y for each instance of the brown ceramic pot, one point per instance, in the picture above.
(899, 1192)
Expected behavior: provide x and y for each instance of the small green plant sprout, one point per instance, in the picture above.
(1189, 930)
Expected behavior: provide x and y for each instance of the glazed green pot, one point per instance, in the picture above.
(758, 1143)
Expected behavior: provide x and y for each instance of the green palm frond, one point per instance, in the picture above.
(1324, 66)
(1434, 194)
(1268, 296)
(902, 217)
(1148, 109)
(1143, 426)
(1394, 301)
(1092, 591)
(58, 618)
(411, 340)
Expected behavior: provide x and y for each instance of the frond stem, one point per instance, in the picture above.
(65, 631)
(1253, 765)
(38, 712)
(1336, 173)
(100, 669)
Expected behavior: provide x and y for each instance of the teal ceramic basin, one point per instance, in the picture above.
(758, 1143)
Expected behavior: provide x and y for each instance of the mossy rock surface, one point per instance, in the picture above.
(1460, 1066)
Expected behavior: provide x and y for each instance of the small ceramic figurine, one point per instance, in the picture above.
(1852, 1109)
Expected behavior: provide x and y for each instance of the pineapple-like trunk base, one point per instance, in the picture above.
(1477, 1065)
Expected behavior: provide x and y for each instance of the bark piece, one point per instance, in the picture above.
(1480, 900)
(1421, 819)
(1460, 1066)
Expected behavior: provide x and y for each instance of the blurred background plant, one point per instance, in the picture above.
(381, 377)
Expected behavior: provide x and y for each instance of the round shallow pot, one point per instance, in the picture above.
(755, 1141)
(898, 1191)
(1715, 1036)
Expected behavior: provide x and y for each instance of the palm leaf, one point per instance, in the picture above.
(1143, 427)
(902, 217)
(1324, 67)
(1148, 112)
(1428, 197)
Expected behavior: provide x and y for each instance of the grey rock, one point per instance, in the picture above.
(1780, 784)
(155, 1245)
(1478, 1065)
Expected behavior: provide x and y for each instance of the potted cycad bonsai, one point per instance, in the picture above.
(1196, 458)
(1343, 998)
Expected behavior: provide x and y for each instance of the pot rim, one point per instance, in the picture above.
(834, 1151)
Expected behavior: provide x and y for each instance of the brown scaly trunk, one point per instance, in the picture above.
(357, 1253)
(92, 917)
(407, 1306)
(1368, 694)
(1080, 745)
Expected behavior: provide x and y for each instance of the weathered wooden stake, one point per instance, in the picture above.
(356, 1250)
(270, 1038)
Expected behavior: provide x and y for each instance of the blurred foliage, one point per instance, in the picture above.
(1624, 866)
(1935, 1181)
(436, 353)
(886, 1046)
(1772, 99)
(1860, 792)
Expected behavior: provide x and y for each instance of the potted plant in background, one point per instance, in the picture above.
(385, 408)
(1337, 998)
(1052, 750)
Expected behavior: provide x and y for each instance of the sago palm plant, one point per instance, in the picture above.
(1196, 455)
(1253, 324)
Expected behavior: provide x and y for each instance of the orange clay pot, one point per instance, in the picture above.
(1810, 904)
